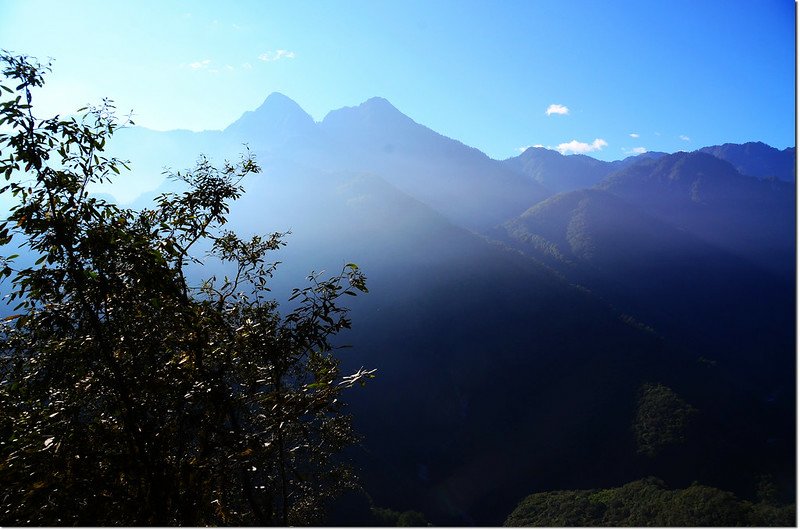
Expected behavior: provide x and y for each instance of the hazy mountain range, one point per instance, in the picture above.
(516, 307)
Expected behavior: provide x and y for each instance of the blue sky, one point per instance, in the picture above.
(618, 76)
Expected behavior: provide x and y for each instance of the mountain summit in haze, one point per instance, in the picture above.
(374, 112)
(459, 181)
(279, 117)
(558, 172)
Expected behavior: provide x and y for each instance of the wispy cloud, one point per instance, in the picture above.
(555, 108)
(276, 55)
(635, 151)
(634, 135)
(199, 65)
(247, 66)
(684, 138)
(576, 147)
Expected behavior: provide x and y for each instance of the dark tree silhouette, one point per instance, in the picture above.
(128, 397)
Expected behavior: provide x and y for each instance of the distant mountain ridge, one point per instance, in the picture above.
(709, 197)
(382, 138)
(757, 159)
(560, 173)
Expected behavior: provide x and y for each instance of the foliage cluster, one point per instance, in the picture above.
(647, 502)
(662, 418)
(389, 517)
(128, 396)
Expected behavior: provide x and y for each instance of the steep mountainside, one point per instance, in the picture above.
(706, 196)
(461, 182)
(673, 280)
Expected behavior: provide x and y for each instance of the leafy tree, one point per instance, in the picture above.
(129, 397)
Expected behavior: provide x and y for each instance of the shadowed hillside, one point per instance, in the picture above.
(707, 197)
(757, 159)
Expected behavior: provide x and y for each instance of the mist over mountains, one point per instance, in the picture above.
(517, 307)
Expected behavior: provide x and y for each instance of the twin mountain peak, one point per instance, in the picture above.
(279, 112)
(280, 115)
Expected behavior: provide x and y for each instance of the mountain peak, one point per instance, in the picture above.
(374, 111)
(279, 100)
(378, 102)
(278, 113)
(538, 150)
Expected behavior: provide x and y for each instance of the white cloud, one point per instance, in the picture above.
(635, 151)
(555, 108)
(276, 55)
(229, 68)
(198, 65)
(247, 66)
(633, 135)
(526, 147)
(576, 147)
(684, 138)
